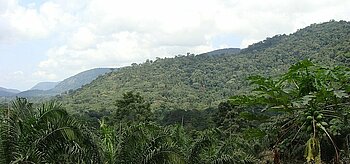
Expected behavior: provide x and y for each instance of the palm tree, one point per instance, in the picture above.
(139, 143)
(47, 134)
(213, 146)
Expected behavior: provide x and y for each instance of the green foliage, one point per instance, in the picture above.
(108, 142)
(228, 118)
(141, 143)
(46, 134)
(213, 146)
(190, 119)
(132, 108)
(309, 101)
(122, 142)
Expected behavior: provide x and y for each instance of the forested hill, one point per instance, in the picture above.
(202, 81)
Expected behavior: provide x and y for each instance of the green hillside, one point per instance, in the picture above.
(202, 81)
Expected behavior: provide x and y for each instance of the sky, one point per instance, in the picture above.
(50, 40)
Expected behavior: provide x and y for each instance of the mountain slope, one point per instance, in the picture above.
(69, 84)
(44, 86)
(202, 81)
(80, 79)
(34, 93)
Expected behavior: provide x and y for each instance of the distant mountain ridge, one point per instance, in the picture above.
(80, 79)
(4, 92)
(71, 83)
(44, 86)
(10, 90)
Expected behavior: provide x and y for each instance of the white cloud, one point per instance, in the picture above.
(99, 33)
(32, 22)
(82, 39)
(28, 23)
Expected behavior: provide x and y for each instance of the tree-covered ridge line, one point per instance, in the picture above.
(297, 117)
(189, 82)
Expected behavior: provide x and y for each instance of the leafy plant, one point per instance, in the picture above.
(308, 101)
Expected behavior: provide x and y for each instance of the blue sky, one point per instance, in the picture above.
(49, 40)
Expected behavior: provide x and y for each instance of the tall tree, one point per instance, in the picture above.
(132, 108)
